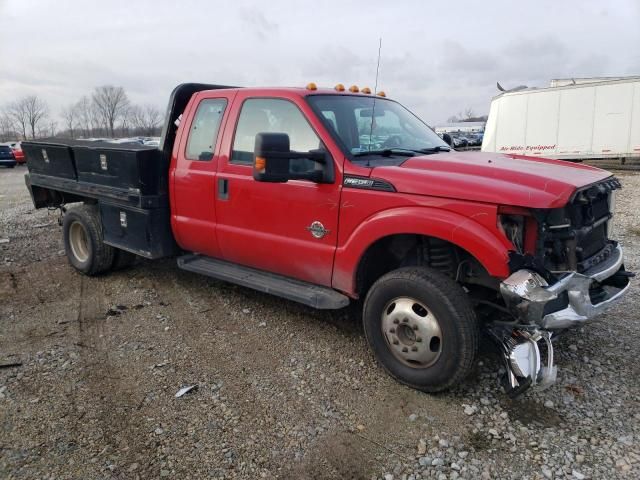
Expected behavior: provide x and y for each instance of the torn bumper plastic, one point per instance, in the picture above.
(569, 301)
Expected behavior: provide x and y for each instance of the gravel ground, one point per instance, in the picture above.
(283, 391)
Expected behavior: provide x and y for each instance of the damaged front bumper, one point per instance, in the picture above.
(540, 309)
(569, 301)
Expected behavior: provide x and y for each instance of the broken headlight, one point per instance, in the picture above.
(513, 228)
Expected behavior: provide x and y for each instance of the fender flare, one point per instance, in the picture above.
(489, 248)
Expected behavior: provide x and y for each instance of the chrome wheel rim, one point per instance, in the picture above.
(79, 242)
(412, 332)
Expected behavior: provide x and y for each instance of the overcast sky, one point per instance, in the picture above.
(438, 58)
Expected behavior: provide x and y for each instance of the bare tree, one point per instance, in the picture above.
(17, 114)
(468, 113)
(126, 120)
(51, 129)
(111, 103)
(36, 111)
(7, 130)
(152, 119)
(87, 116)
(70, 115)
(146, 120)
(136, 117)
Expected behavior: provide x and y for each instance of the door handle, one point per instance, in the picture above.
(223, 189)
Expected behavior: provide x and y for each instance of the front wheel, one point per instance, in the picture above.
(421, 327)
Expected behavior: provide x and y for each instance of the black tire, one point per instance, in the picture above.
(123, 259)
(90, 255)
(445, 300)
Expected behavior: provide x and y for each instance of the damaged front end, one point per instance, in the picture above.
(572, 299)
(572, 273)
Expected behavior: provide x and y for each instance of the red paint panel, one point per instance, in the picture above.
(366, 216)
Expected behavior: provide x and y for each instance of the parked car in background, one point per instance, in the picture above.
(7, 158)
(17, 152)
(152, 142)
(458, 141)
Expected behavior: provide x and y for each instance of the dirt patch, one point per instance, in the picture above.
(529, 412)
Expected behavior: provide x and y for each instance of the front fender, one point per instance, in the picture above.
(489, 248)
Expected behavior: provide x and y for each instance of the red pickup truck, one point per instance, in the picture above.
(327, 196)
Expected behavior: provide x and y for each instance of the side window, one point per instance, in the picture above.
(260, 115)
(204, 129)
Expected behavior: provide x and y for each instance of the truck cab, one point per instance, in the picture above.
(329, 196)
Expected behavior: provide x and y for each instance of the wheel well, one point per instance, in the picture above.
(402, 250)
(49, 198)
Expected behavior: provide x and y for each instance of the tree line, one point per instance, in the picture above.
(467, 116)
(106, 112)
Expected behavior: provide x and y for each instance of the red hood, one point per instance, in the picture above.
(492, 178)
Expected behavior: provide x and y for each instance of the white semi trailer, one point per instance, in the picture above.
(584, 120)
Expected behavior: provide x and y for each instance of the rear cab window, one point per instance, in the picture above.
(204, 129)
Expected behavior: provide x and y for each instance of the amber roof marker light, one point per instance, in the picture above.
(339, 87)
(311, 86)
(354, 89)
(381, 94)
(366, 90)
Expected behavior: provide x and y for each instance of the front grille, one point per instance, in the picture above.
(575, 237)
(592, 242)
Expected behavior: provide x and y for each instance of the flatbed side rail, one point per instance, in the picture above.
(128, 197)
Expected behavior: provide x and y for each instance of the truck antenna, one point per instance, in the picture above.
(375, 95)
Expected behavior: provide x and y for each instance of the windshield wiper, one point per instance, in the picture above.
(439, 148)
(387, 152)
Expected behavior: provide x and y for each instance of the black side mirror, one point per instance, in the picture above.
(447, 138)
(271, 157)
(272, 160)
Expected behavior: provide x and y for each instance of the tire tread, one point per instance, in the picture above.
(102, 254)
(456, 301)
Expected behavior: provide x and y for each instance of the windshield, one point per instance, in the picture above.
(365, 129)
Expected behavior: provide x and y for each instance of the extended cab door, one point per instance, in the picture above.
(287, 228)
(193, 176)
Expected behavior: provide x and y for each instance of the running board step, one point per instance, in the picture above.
(307, 293)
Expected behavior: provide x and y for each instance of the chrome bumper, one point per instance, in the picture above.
(531, 299)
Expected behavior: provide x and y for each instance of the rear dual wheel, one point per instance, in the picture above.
(422, 328)
(84, 243)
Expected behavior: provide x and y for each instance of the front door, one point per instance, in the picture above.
(193, 179)
(288, 228)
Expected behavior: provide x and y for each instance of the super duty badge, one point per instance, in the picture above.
(368, 183)
(358, 182)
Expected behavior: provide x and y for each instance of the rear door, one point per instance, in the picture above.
(193, 177)
(288, 228)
